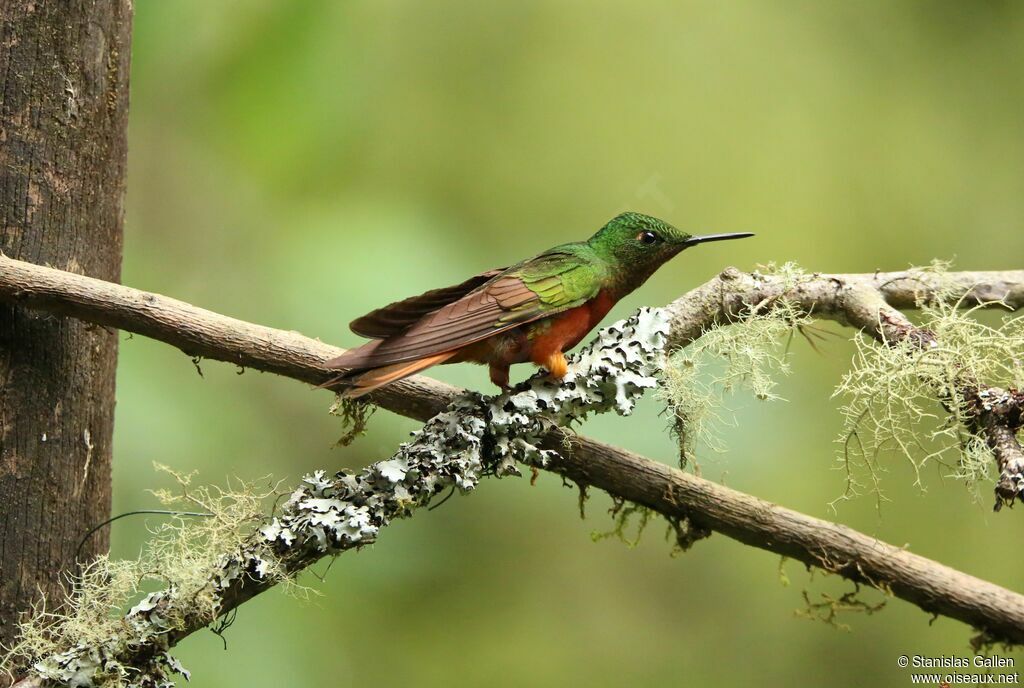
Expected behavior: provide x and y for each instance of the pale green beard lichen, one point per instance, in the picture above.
(749, 354)
(899, 398)
(183, 556)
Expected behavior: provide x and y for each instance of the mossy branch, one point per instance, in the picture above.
(867, 302)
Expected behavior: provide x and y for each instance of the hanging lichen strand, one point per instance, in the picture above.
(929, 405)
(476, 436)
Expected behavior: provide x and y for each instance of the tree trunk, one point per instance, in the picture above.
(63, 124)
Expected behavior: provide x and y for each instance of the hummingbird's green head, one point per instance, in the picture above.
(635, 245)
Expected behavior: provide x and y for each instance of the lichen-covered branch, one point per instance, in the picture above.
(998, 612)
(871, 304)
(327, 515)
(850, 299)
(998, 415)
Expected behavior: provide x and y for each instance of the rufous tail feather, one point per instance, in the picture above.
(362, 383)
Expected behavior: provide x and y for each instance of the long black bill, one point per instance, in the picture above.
(692, 241)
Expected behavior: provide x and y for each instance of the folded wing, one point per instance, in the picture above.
(544, 286)
(398, 317)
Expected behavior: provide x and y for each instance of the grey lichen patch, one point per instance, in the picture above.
(477, 435)
(749, 354)
(622, 362)
(204, 563)
(902, 398)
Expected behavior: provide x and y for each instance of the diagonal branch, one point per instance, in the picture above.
(864, 301)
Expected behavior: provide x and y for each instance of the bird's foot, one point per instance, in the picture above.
(557, 365)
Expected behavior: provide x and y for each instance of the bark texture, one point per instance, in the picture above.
(63, 124)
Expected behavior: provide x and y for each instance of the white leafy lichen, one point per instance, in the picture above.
(89, 643)
(476, 435)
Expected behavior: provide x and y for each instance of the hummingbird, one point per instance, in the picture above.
(533, 311)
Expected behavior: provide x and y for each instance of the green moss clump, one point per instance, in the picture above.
(623, 514)
(830, 608)
(355, 416)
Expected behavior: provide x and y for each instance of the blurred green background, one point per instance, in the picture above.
(297, 163)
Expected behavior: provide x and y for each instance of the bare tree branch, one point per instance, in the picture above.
(867, 302)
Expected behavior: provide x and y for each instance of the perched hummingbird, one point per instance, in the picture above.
(533, 311)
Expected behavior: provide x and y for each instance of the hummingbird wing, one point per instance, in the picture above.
(399, 316)
(549, 284)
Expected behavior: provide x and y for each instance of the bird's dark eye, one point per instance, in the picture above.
(648, 238)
